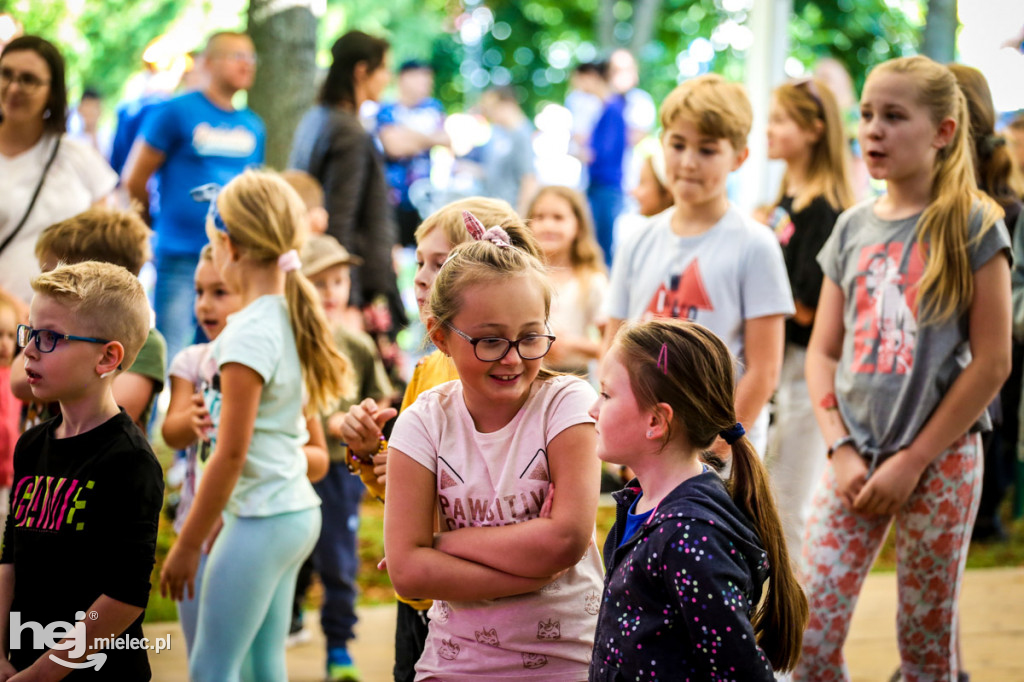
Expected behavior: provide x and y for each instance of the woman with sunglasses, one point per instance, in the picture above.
(44, 176)
(504, 459)
(805, 130)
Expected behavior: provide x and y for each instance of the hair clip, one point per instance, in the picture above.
(496, 235)
(663, 359)
(733, 433)
(289, 260)
(214, 215)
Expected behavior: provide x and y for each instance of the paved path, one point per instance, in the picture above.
(992, 621)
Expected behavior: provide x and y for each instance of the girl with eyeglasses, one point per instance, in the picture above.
(805, 130)
(504, 458)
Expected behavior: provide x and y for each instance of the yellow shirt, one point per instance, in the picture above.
(431, 371)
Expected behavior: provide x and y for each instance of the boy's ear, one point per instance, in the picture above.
(741, 157)
(113, 358)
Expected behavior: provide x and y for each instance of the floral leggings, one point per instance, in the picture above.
(933, 532)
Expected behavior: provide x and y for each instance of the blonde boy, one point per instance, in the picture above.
(87, 488)
(704, 260)
(121, 238)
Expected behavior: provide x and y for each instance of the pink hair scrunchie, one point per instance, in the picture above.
(495, 235)
(289, 261)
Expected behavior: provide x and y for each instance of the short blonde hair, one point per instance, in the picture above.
(307, 187)
(490, 212)
(98, 234)
(718, 108)
(107, 299)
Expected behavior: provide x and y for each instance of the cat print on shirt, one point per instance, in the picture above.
(488, 637)
(552, 629)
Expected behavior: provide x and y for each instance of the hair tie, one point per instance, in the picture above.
(663, 359)
(733, 433)
(988, 144)
(496, 235)
(289, 260)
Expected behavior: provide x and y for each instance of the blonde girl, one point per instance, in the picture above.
(273, 351)
(805, 130)
(503, 458)
(689, 557)
(436, 236)
(560, 220)
(911, 341)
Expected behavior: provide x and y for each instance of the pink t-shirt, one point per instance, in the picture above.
(495, 479)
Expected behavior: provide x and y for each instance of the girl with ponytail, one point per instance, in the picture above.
(275, 355)
(911, 341)
(695, 553)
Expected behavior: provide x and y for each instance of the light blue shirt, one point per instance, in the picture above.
(273, 480)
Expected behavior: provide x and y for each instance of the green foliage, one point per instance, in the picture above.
(102, 44)
(858, 33)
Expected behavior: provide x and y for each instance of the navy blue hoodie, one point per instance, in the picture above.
(679, 594)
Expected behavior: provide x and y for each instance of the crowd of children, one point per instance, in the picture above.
(874, 336)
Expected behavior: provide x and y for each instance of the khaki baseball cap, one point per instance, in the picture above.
(322, 251)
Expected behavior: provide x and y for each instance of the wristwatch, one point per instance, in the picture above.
(839, 442)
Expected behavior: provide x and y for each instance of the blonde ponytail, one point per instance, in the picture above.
(265, 218)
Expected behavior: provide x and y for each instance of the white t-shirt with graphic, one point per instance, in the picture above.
(495, 479)
(732, 273)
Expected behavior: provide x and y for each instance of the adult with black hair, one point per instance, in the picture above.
(44, 176)
(332, 145)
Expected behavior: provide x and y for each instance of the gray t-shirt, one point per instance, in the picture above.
(893, 372)
(507, 157)
(732, 273)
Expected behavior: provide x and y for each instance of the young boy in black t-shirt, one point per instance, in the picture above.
(80, 538)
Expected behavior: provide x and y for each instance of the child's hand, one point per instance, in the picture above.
(361, 428)
(889, 487)
(380, 467)
(201, 422)
(7, 671)
(851, 473)
(179, 572)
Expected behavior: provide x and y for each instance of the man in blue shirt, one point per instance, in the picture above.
(407, 130)
(604, 153)
(193, 141)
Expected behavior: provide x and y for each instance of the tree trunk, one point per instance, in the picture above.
(285, 38)
(644, 14)
(605, 24)
(939, 39)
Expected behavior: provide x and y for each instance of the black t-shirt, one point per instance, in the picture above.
(802, 237)
(83, 523)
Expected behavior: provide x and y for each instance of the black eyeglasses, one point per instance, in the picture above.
(46, 339)
(494, 348)
(29, 82)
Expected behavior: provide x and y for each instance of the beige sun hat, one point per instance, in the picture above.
(322, 251)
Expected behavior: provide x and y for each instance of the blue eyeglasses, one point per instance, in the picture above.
(46, 339)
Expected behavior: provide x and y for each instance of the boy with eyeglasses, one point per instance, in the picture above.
(80, 539)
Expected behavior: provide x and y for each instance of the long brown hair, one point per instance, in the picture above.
(265, 218)
(807, 102)
(584, 251)
(700, 388)
(996, 173)
(947, 285)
